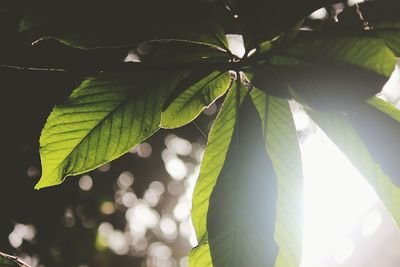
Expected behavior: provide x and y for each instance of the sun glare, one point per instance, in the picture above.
(336, 196)
(341, 210)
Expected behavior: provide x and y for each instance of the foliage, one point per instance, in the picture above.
(247, 204)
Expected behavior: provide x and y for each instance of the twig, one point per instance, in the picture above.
(18, 261)
(90, 69)
(31, 68)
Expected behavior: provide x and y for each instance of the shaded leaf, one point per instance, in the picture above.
(332, 71)
(189, 104)
(176, 51)
(214, 157)
(242, 211)
(264, 20)
(378, 126)
(283, 149)
(92, 24)
(361, 50)
(102, 119)
(326, 86)
(380, 18)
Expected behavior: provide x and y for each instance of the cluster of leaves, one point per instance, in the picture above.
(247, 204)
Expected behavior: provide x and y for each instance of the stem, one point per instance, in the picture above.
(91, 69)
(18, 261)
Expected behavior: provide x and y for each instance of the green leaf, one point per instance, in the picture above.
(92, 24)
(325, 86)
(380, 18)
(214, 157)
(178, 51)
(342, 132)
(200, 255)
(380, 132)
(189, 104)
(385, 107)
(330, 71)
(102, 119)
(363, 51)
(242, 211)
(283, 149)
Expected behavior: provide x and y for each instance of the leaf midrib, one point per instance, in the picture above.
(125, 100)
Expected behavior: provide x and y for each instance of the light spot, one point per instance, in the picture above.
(354, 2)
(129, 199)
(168, 227)
(125, 179)
(151, 197)
(20, 233)
(178, 145)
(107, 208)
(182, 209)
(236, 44)
(118, 242)
(104, 168)
(175, 188)
(142, 214)
(144, 150)
(302, 120)
(176, 168)
(158, 187)
(321, 13)
(69, 217)
(85, 182)
(33, 172)
(210, 110)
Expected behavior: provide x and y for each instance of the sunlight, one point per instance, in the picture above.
(336, 197)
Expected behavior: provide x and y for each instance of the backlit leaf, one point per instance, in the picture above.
(378, 126)
(214, 156)
(283, 149)
(102, 119)
(242, 211)
(189, 104)
(91, 24)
